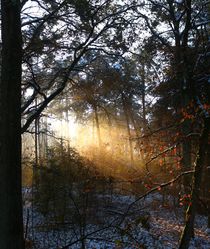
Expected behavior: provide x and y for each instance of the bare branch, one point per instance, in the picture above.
(157, 188)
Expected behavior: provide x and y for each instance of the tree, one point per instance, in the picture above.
(182, 40)
(41, 46)
(53, 56)
(11, 223)
(188, 231)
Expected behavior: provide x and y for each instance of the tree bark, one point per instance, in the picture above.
(97, 126)
(186, 155)
(137, 131)
(125, 109)
(143, 99)
(11, 224)
(199, 165)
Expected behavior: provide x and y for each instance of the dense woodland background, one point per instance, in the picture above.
(112, 101)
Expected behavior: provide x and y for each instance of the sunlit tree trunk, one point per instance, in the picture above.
(36, 140)
(143, 99)
(136, 129)
(125, 109)
(93, 130)
(11, 223)
(144, 118)
(97, 126)
(110, 133)
(45, 138)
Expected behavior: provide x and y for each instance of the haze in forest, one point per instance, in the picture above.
(104, 124)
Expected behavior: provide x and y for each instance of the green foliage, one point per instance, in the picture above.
(62, 179)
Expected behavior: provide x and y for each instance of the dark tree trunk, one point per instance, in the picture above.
(183, 74)
(207, 183)
(199, 165)
(209, 221)
(36, 140)
(183, 71)
(186, 147)
(11, 224)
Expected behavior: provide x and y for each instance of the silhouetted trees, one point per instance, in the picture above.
(148, 77)
(11, 221)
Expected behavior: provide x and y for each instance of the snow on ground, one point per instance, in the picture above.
(149, 225)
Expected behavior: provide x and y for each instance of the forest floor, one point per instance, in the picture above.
(110, 224)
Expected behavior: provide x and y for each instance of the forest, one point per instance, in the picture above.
(104, 124)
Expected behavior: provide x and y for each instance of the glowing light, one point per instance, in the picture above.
(66, 129)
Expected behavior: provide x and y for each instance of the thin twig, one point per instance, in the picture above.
(157, 188)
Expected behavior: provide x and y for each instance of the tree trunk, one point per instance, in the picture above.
(137, 132)
(11, 224)
(97, 127)
(143, 99)
(36, 141)
(199, 165)
(125, 109)
(186, 148)
(208, 221)
(207, 183)
(110, 132)
(93, 131)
